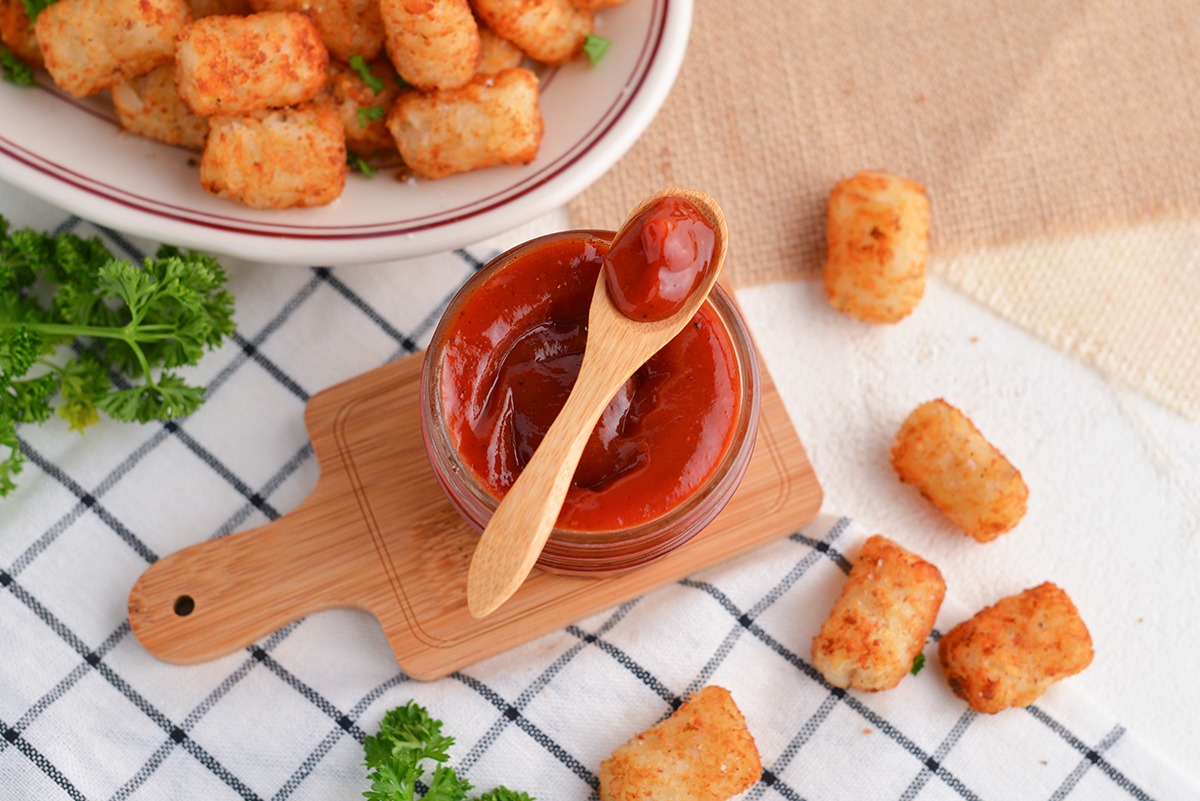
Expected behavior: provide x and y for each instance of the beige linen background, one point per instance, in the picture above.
(1059, 142)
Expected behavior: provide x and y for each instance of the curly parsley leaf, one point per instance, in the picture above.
(407, 737)
(502, 793)
(167, 398)
(82, 381)
(918, 663)
(407, 732)
(11, 463)
(22, 400)
(124, 323)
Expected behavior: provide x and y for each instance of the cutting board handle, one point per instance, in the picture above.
(221, 595)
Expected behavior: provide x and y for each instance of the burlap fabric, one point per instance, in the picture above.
(1059, 142)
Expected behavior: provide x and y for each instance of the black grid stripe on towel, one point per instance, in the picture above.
(86, 713)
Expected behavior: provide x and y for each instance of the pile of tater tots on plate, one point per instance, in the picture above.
(281, 95)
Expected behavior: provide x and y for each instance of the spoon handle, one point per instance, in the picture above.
(616, 347)
(521, 524)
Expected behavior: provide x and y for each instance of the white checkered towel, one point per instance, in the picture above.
(87, 713)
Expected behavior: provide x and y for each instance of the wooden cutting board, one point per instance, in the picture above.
(378, 534)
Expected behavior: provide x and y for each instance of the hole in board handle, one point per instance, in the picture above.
(184, 605)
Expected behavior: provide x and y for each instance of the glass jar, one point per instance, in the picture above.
(589, 552)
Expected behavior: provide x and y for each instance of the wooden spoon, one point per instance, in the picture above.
(616, 347)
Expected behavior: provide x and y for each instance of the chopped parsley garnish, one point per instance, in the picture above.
(369, 114)
(357, 162)
(364, 71)
(35, 7)
(15, 70)
(595, 46)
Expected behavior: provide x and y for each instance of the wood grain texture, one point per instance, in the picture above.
(378, 534)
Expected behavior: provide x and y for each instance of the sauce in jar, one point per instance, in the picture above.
(659, 259)
(511, 355)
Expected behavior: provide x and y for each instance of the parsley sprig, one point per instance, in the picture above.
(408, 737)
(101, 334)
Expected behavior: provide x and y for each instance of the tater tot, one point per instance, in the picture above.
(881, 620)
(347, 27)
(496, 53)
(233, 65)
(90, 45)
(17, 34)
(348, 94)
(492, 120)
(434, 44)
(150, 106)
(548, 31)
(1008, 654)
(941, 453)
(276, 159)
(703, 752)
(877, 230)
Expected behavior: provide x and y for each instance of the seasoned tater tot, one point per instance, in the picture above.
(17, 34)
(347, 93)
(548, 31)
(492, 120)
(347, 27)
(703, 752)
(150, 106)
(232, 65)
(941, 453)
(1008, 654)
(277, 158)
(207, 8)
(496, 53)
(881, 620)
(434, 44)
(90, 45)
(877, 231)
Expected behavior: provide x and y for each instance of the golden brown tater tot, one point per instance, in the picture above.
(1008, 654)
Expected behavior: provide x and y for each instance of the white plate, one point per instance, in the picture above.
(73, 154)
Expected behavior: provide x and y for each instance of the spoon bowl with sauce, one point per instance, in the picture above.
(661, 266)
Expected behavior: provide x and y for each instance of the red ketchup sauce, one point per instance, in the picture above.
(660, 259)
(512, 356)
